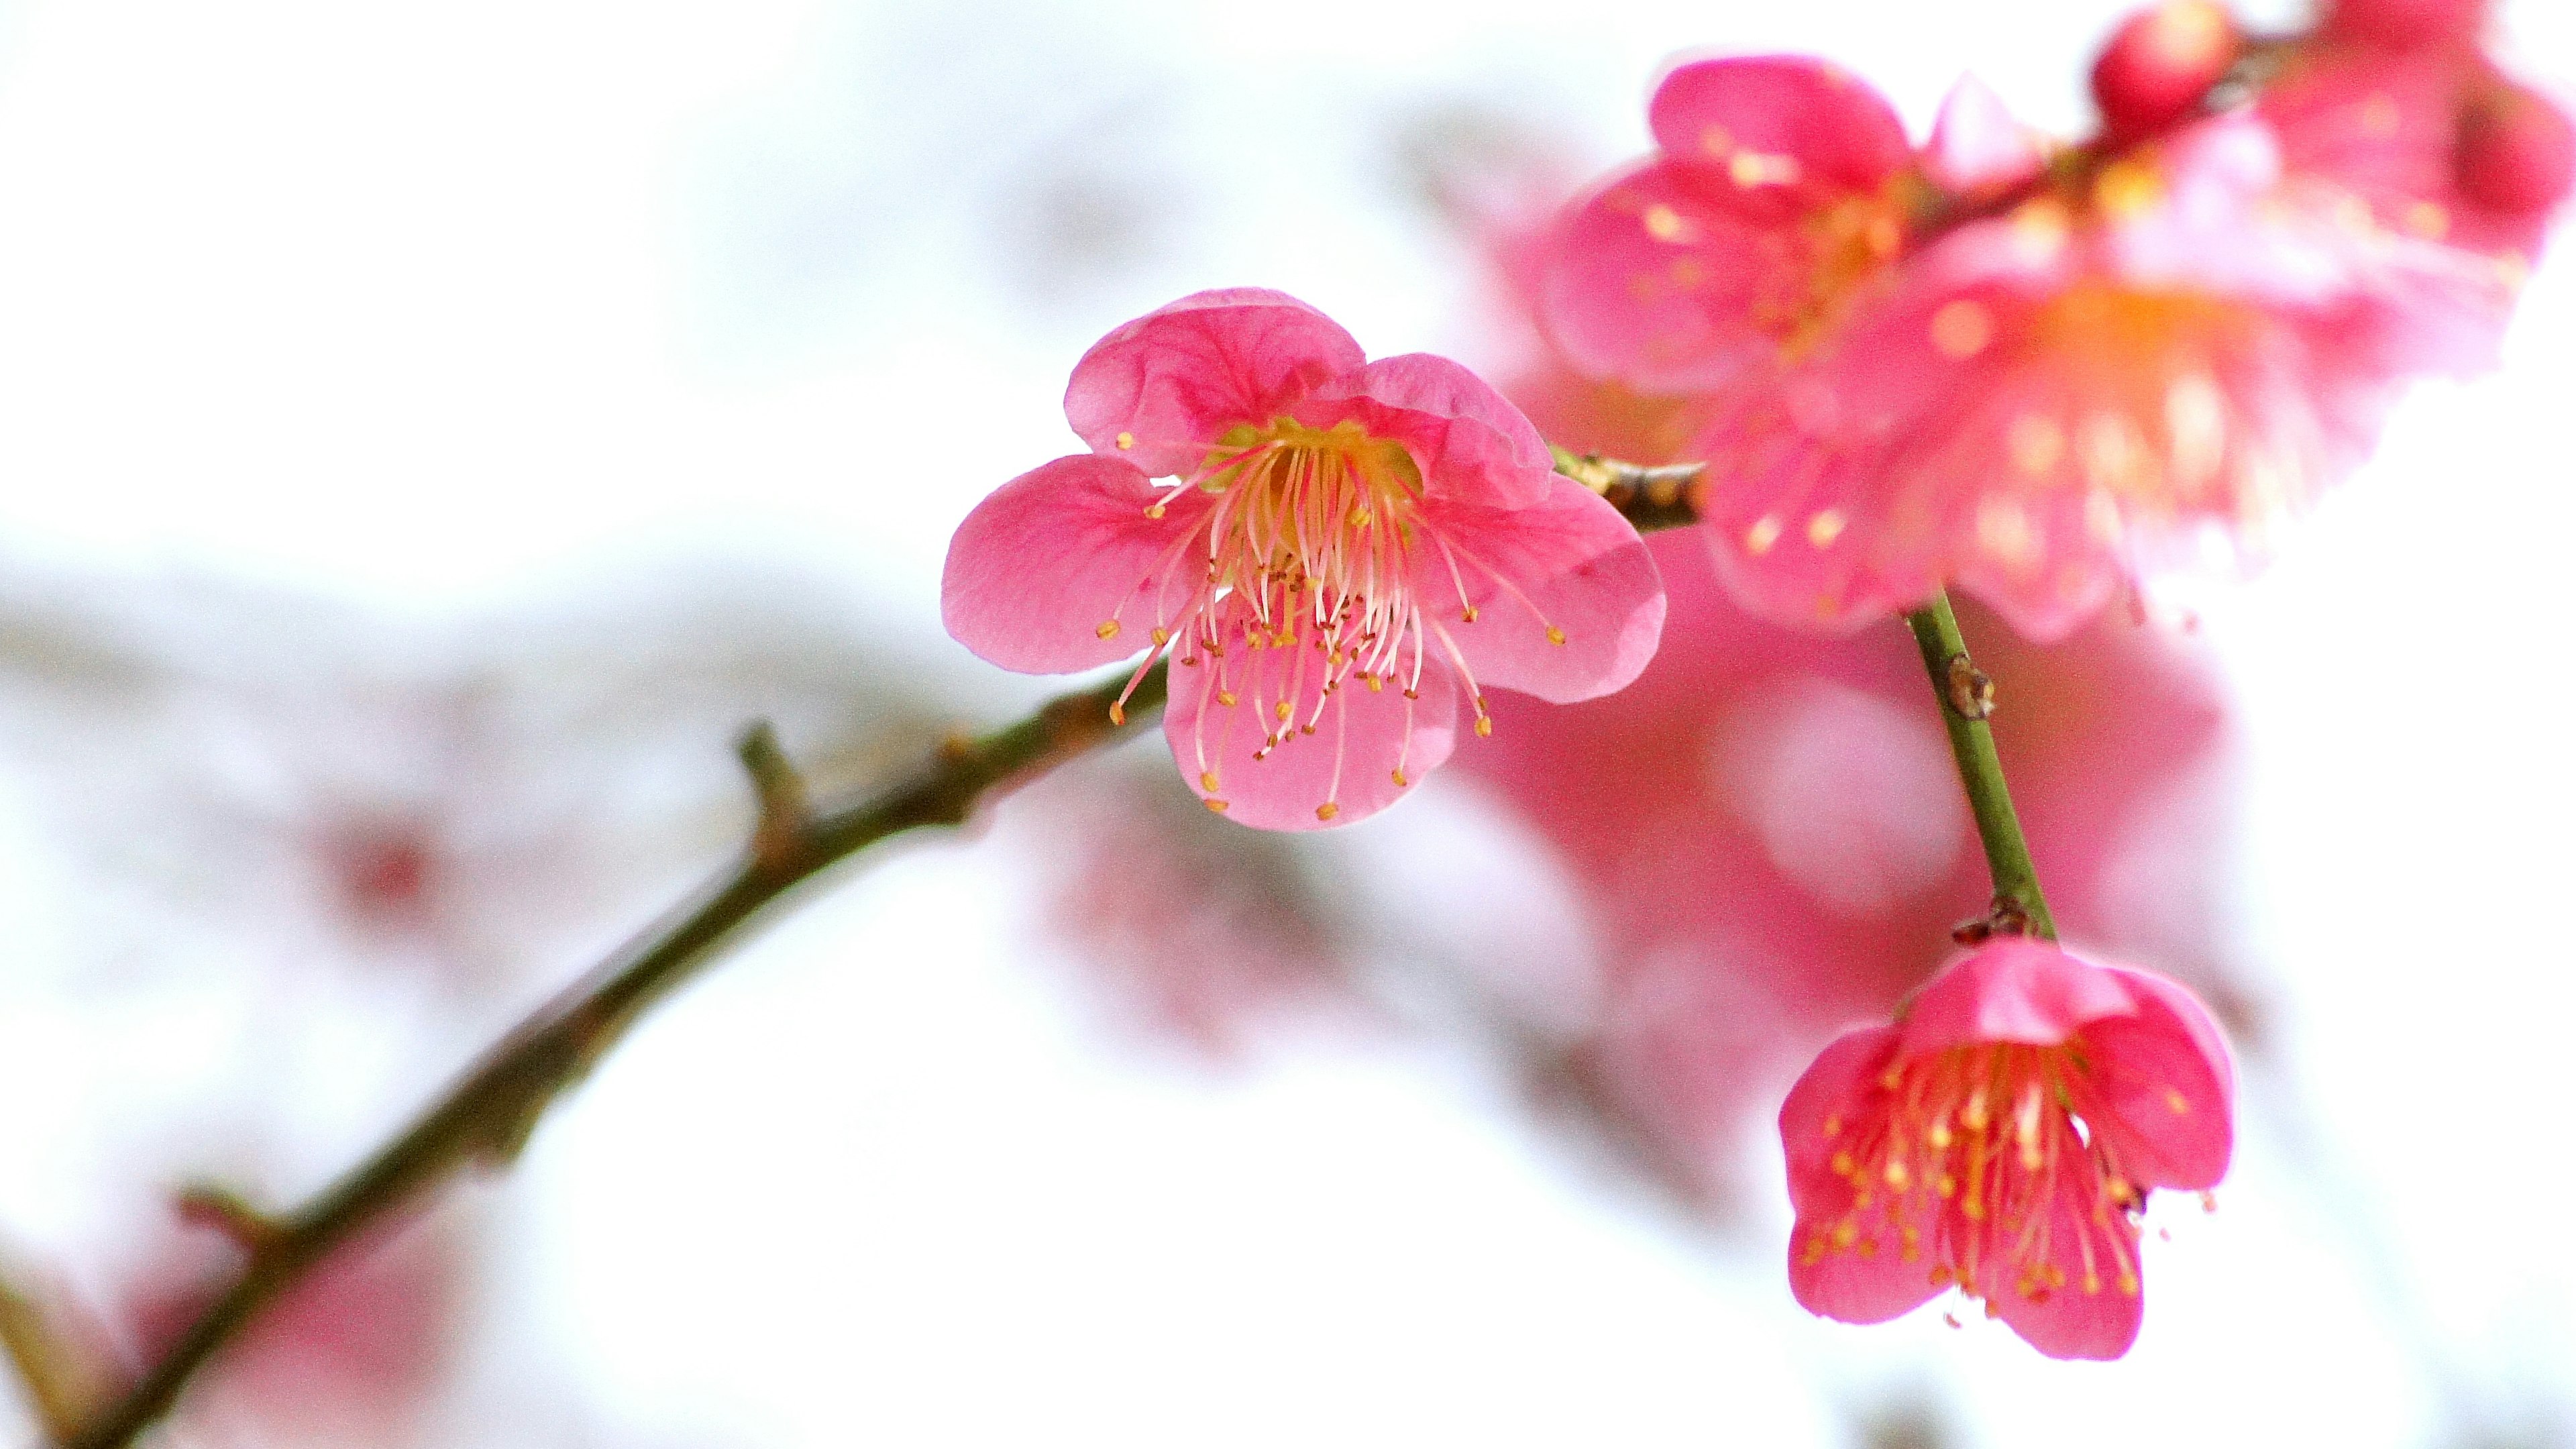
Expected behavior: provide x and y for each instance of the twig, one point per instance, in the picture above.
(485, 1117)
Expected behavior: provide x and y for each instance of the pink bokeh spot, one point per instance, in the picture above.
(1347, 554)
(2001, 1138)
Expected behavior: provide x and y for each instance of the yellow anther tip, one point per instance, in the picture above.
(1108, 629)
(1327, 810)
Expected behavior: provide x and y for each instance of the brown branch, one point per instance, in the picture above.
(486, 1116)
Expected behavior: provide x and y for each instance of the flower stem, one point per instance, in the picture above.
(1967, 698)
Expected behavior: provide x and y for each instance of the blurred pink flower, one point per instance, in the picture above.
(1333, 521)
(1202, 934)
(1772, 200)
(2045, 403)
(351, 1355)
(2420, 135)
(2001, 1137)
(2039, 377)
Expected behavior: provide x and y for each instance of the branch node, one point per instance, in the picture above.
(780, 837)
(1971, 691)
(225, 1210)
(2006, 917)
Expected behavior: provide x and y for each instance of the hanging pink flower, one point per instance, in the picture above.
(1771, 200)
(2001, 1137)
(1346, 549)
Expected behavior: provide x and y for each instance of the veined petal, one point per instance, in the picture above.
(1364, 740)
(1828, 124)
(2014, 990)
(1160, 390)
(2064, 1320)
(2166, 1087)
(1655, 279)
(1062, 569)
(1471, 445)
(1566, 601)
(1857, 1287)
(1829, 1093)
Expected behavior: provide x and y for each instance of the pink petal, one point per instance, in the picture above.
(2014, 989)
(1471, 445)
(1834, 1085)
(2167, 1088)
(1172, 381)
(2068, 1322)
(1362, 738)
(1850, 1288)
(1827, 122)
(1654, 279)
(1976, 145)
(1567, 602)
(1039, 569)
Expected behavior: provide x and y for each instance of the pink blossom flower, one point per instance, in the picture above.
(1771, 199)
(2041, 405)
(2039, 380)
(2001, 1137)
(1347, 548)
(2424, 138)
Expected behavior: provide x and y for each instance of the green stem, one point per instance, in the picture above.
(1966, 699)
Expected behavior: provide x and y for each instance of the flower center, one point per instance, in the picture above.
(1311, 539)
(1980, 1158)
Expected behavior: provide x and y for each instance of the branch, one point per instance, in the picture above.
(485, 1117)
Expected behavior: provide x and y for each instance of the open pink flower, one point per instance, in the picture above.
(2046, 403)
(1770, 200)
(1345, 549)
(2001, 1137)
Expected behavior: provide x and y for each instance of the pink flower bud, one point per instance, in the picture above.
(2160, 62)
(2517, 152)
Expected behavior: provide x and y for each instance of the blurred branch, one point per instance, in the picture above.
(487, 1115)
(1652, 498)
(60, 1384)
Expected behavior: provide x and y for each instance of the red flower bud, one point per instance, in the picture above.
(2160, 62)
(2516, 152)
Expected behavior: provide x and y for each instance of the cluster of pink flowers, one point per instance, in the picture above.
(2034, 371)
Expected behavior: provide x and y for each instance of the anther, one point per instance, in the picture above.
(1126, 440)
(1217, 805)
(1400, 781)
(1108, 629)
(1468, 614)
(1207, 781)
(1327, 810)
(1555, 635)
(1162, 636)
(1225, 697)
(1118, 714)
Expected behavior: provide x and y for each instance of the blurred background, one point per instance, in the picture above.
(428, 433)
